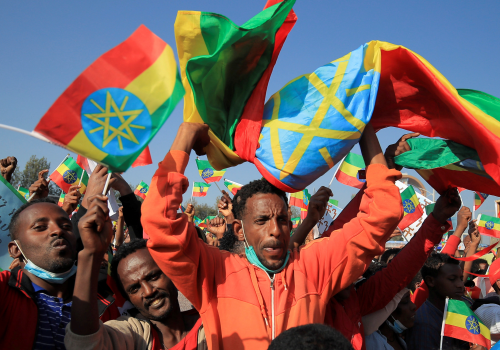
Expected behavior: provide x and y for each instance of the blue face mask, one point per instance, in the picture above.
(254, 260)
(51, 277)
(397, 327)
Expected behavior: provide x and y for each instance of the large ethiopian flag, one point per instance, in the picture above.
(116, 106)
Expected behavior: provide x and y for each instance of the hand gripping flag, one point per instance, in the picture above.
(117, 105)
(61, 199)
(411, 208)
(68, 174)
(444, 163)
(142, 190)
(207, 172)
(488, 225)
(232, 186)
(479, 199)
(461, 323)
(200, 189)
(347, 173)
(300, 199)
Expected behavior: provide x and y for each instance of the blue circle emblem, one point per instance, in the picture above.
(489, 225)
(116, 121)
(70, 176)
(206, 173)
(306, 199)
(408, 206)
(201, 189)
(27, 196)
(472, 325)
(143, 190)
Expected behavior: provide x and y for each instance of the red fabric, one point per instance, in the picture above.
(349, 180)
(189, 342)
(411, 218)
(143, 159)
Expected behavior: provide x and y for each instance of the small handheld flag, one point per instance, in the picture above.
(200, 189)
(488, 225)
(303, 213)
(347, 172)
(479, 199)
(182, 208)
(411, 207)
(24, 192)
(295, 222)
(300, 199)
(68, 174)
(61, 199)
(207, 172)
(142, 190)
(232, 186)
(461, 323)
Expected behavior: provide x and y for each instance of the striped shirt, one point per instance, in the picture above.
(53, 316)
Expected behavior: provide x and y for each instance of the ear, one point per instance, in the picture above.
(430, 281)
(14, 251)
(238, 230)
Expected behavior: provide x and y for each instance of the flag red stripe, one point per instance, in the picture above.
(143, 159)
(486, 232)
(213, 179)
(411, 218)
(348, 180)
(465, 335)
(57, 178)
(199, 194)
(142, 195)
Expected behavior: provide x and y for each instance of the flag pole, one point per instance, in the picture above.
(444, 322)
(81, 177)
(192, 191)
(473, 205)
(105, 189)
(218, 187)
(336, 171)
(25, 132)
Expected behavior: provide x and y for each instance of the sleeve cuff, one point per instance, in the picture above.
(128, 198)
(443, 228)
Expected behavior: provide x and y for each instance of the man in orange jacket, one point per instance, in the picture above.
(245, 302)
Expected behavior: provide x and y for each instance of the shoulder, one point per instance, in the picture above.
(4, 277)
(129, 324)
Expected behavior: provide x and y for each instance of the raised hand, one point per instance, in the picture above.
(318, 204)
(190, 212)
(96, 183)
(447, 205)
(217, 227)
(191, 136)
(7, 167)
(120, 184)
(41, 186)
(400, 147)
(225, 206)
(72, 199)
(96, 229)
(463, 217)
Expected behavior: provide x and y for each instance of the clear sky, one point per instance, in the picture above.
(46, 45)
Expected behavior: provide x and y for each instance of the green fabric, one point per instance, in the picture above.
(203, 164)
(487, 218)
(355, 159)
(334, 202)
(429, 208)
(408, 193)
(459, 307)
(485, 102)
(434, 153)
(224, 80)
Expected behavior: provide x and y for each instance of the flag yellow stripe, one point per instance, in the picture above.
(459, 320)
(495, 227)
(216, 172)
(349, 169)
(62, 169)
(81, 144)
(155, 85)
(415, 201)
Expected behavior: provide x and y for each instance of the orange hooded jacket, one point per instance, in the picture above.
(241, 306)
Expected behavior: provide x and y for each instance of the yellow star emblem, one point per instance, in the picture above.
(126, 118)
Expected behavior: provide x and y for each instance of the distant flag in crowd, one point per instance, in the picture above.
(225, 70)
(232, 186)
(460, 322)
(411, 207)
(199, 222)
(488, 225)
(300, 199)
(61, 199)
(334, 202)
(24, 192)
(182, 208)
(444, 163)
(479, 199)
(295, 222)
(68, 174)
(142, 190)
(473, 292)
(200, 189)
(207, 172)
(347, 172)
(303, 213)
(117, 105)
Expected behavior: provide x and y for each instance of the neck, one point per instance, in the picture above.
(388, 332)
(172, 330)
(64, 290)
(437, 300)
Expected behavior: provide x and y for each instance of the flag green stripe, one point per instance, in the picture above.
(201, 184)
(408, 193)
(485, 102)
(459, 307)
(203, 164)
(355, 159)
(429, 208)
(486, 218)
(16, 193)
(334, 202)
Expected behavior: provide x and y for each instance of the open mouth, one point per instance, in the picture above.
(157, 303)
(60, 243)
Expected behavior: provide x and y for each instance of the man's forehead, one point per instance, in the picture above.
(139, 260)
(450, 269)
(265, 203)
(41, 210)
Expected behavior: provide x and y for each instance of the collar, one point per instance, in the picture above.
(37, 288)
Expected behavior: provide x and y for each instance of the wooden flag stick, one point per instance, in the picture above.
(81, 177)
(192, 191)
(335, 173)
(105, 190)
(218, 187)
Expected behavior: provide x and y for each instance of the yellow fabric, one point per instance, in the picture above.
(349, 169)
(81, 144)
(459, 320)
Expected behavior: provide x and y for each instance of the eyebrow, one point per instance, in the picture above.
(148, 276)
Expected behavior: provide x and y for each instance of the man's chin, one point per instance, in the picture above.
(273, 264)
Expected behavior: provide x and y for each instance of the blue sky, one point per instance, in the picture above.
(46, 45)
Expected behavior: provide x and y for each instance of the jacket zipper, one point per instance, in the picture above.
(272, 305)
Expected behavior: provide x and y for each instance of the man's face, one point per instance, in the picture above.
(46, 237)
(449, 282)
(147, 287)
(266, 228)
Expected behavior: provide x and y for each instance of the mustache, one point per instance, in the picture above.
(64, 240)
(273, 245)
(157, 295)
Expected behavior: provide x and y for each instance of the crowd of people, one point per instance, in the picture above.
(157, 281)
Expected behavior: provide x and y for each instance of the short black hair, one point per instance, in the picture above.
(434, 263)
(247, 191)
(14, 221)
(123, 251)
(228, 240)
(311, 336)
(417, 280)
(387, 254)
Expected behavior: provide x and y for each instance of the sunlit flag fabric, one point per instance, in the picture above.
(411, 208)
(348, 170)
(116, 106)
(300, 199)
(444, 163)
(232, 186)
(142, 190)
(69, 174)
(207, 172)
(295, 222)
(182, 208)
(200, 189)
(225, 70)
(303, 213)
(61, 199)
(143, 159)
(199, 222)
(488, 225)
(24, 192)
(461, 323)
(479, 199)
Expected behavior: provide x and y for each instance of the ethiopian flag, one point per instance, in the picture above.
(232, 186)
(142, 190)
(348, 170)
(61, 199)
(69, 174)
(461, 323)
(295, 222)
(117, 105)
(207, 172)
(488, 225)
(300, 199)
(479, 199)
(24, 192)
(200, 189)
(199, 222)
(411, 207)
(303, 213)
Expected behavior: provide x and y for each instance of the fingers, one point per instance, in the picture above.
(99, 210)
(409, 136)
(41, 174)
